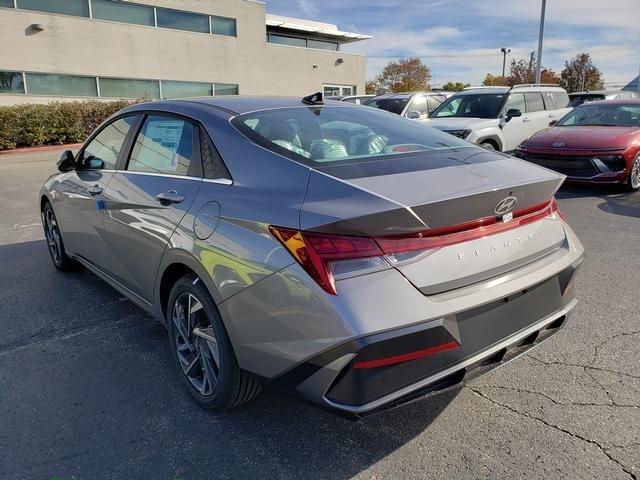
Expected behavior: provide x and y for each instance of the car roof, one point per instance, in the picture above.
(516, 88)
(234, 104)
(405, 94)
(617, 101)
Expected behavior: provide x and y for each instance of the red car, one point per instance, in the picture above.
(597, 142)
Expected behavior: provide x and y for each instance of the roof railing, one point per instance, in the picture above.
(485, 86)
(522, 85)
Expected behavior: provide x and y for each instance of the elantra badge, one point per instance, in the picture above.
(505, 205)
(559, 144)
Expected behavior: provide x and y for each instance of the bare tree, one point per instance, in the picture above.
(405, 75)
(580, 74)
(524, 71)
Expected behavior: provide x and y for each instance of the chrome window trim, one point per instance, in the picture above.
(220, 181)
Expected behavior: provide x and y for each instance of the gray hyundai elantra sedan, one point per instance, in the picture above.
(343, 254)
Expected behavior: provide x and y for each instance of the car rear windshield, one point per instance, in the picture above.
(390, 104)
(482, 105)
(317, 136)
(603, 114)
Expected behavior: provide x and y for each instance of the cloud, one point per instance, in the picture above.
(308, 7)
(461, 40)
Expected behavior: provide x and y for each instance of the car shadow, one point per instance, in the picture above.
(89, 390)
(615, 200)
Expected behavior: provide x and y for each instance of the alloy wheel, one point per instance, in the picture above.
(195, 343)
(634, 177)
(52, 234)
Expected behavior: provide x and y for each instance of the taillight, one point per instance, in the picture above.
(316, 252)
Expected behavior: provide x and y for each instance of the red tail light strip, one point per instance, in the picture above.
(463, 232)
(405, 357)
(314, 251)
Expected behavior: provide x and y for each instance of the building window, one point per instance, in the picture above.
(291, 41)
(192, 22)
(339, 90)
(223, 26)
(117, 11)
(322, 45)
(301, 42)
(127, 88)
(172, 89)
(11, 82)
(78, 8)
(69, 85)
(226, 89)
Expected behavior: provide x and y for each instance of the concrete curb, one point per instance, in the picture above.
(44, 148)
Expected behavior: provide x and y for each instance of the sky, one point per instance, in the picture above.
(460, 40)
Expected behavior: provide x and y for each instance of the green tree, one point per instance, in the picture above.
(405, 75)
(454, 86)
(580, 74)
(492, 80)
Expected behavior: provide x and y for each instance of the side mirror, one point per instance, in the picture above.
(552, 123)
(67, 162)
(513, 112)
(413, 115)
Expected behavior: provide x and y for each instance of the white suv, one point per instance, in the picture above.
(500, 118)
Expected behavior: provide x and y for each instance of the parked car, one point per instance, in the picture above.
(348, 256)
(578, 98)
(500, 118)
(357, 99)
(413, 105)
(597, 142)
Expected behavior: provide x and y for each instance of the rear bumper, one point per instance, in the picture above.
(333, 381)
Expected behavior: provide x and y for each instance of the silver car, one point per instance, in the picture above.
(349, 256)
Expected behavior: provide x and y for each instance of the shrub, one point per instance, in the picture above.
(55, 123)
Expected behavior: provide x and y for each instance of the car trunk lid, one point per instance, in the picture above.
(440, 196)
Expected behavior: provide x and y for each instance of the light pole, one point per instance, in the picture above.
(504, 60)
(540, 35)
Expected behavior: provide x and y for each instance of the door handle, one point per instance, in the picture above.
(169, 198)
(95, 190)
(526, 119)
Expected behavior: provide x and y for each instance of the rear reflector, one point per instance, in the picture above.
(315, 251)
(405, 357)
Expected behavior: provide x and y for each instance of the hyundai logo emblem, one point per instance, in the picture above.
(505, 205)
(559, 144)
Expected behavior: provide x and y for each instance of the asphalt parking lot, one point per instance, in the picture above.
(88, 391)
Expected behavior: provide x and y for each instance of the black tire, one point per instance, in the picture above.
(55, 244)
(488, 145)
(633, 182)
(206, 363)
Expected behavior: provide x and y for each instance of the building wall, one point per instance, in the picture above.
(81, 46)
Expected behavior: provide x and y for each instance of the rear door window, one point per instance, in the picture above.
(164, 145)
(556, 100)
(102, 152)
(534, 102)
